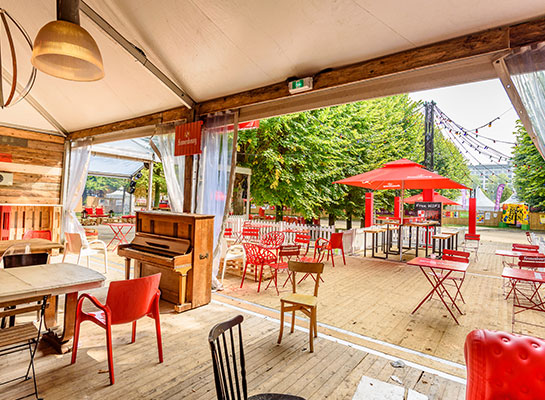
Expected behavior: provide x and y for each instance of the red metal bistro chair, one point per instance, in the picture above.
(258, 257)
(471, 243)
(303, 239)
(321, 249)
(249, 234)
(127, 301)
(288, 252)
(37, 235)
(530, 248)
(502, 365)
(456, 279)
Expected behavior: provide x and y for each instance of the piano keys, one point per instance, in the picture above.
(180, 247)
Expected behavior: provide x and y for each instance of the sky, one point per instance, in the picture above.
(475, 104)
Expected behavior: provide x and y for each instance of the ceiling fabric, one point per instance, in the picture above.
(212, 48)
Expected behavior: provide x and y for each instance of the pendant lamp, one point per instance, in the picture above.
(65, 50)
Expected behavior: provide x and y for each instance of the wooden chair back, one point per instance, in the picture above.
(289, 251)
(306, 268)
(25, 260)
(229, 373)
(23, 306)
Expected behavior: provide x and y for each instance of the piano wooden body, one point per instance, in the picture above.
(180, 247)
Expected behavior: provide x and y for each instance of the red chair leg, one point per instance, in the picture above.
(158, 328)
(260, 278)
(330, 251)
(76, 338)
(244, 274)
(133, 332)
(342, 251)
(110, 352)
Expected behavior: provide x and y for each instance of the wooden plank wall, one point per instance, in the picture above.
(36, 164)
(35, 160)
(35, 218)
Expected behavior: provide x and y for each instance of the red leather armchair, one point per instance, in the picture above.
(502, 365)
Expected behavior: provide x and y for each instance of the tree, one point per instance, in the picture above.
(529, 170)
(98, 186)
(159, 184)
(296, 158)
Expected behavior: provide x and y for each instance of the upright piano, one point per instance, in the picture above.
(180, 247)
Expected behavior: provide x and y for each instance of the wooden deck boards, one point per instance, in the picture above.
(332, 371)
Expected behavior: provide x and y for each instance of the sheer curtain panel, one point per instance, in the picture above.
(213, 177)
(174, 167)
(77, 177)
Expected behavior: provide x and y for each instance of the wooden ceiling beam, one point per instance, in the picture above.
(492, 41)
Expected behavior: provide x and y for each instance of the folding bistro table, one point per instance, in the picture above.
(525, 285)
(436, 271)
(119, 235)
(516, 254)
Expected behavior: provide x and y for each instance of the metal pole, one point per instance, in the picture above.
(248, 177)
(150, 185)
(428, 135)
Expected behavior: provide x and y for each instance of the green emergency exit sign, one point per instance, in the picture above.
(300, 85)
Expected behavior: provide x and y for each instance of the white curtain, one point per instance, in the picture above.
(527, 70)
(213, 177)
(174, 167)
(79, 166)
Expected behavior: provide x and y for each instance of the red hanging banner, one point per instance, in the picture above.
(188, 139)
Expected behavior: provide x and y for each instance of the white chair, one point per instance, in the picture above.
(235, 252)
(75, 245)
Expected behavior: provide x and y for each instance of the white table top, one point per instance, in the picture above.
(47, 279)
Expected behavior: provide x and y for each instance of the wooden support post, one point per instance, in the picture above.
(188, 184)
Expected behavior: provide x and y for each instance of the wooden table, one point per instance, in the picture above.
(36, 245)
(440, 270)
(54, 280)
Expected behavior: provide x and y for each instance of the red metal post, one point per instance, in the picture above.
(369, 204)
(427, 195)
(5, 212)
(397, 207)
(472, 215)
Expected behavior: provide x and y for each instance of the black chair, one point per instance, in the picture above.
(230, 376)
(25, 260)
(23, 336)
(22, 260)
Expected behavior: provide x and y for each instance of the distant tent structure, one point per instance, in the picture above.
(513, 199)
(483, 202)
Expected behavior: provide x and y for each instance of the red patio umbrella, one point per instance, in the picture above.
(437, 198)
(401, 174)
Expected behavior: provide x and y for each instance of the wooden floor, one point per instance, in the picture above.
(332, 371)
(374, 299)
(365, 323)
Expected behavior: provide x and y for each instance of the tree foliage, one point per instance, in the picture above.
(529, 170)
(159, 187)
(492, 187)
(296, 158)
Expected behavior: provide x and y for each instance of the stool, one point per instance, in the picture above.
(443, 242)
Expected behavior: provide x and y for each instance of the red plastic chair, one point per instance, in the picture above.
(288, 252)
(273, 240)
(99, 212)
(303, 239)
(89, 211)
(502, 365)
(258, 257)
(336, 242)
(127, 301)
(37, 235)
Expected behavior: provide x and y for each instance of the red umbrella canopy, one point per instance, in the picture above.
(401, 174)
(437, 198)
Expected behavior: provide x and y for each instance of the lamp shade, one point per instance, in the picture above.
(66, 50)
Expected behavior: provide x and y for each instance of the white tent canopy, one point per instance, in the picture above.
(214, 48)
(513, 199)
(483, 202)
